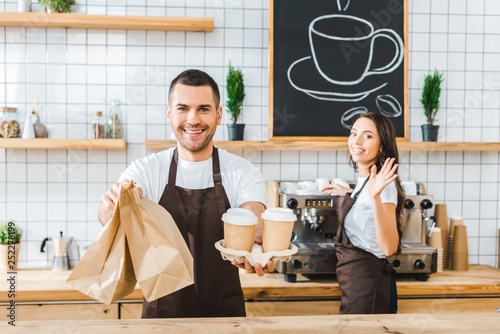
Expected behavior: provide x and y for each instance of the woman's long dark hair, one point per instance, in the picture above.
(387, 136)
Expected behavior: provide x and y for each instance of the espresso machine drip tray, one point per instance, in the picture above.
(418, 259)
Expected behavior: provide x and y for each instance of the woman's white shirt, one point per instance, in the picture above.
(359, 223)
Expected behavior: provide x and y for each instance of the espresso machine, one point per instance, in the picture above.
(315, 230)
(416, 256)
(313, 233)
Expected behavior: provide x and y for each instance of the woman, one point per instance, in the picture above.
(370, 219)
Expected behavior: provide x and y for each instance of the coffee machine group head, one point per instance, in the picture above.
(416, 223)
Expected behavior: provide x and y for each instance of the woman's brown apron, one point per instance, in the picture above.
(363, 277)
(197, 212)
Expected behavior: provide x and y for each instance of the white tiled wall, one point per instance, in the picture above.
(74, 72)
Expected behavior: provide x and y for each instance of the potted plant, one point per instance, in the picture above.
(10, 237)
(430, 101)
(57, 6)
(235, 94)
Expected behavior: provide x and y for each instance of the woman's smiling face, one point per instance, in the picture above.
(364, 143)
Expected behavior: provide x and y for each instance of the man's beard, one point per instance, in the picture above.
(204, 144)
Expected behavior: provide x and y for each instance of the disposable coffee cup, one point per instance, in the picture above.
(277, 229)
(460, 261)
(440, 212)
(239, 227)
(460, 253)
(435, 239)
(450, 251)
(460, 239)
(454, 221)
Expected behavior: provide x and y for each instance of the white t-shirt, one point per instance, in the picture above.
(241, 180)
(359, 223)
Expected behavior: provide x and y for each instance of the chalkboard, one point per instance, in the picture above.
(332, 60)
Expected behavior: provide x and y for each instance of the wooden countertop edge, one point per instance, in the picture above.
(481, 281)
(61, 296)
(368, 323)
(404, 291)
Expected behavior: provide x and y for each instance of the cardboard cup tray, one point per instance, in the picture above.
(255, 255)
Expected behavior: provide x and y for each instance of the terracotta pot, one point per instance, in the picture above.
(5, 252)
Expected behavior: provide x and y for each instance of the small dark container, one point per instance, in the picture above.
(430, 132)
(235, 131)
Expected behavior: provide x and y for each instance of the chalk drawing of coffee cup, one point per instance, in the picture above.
(342, 47)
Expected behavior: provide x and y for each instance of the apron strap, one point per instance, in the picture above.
(364, 184)
(172, 175)
(219, 190)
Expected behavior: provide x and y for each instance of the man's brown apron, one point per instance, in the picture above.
(363, 278)
(197, 212)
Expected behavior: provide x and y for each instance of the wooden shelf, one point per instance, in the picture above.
(448, 146)
(83, 21)
(328, 146)
(49, 143)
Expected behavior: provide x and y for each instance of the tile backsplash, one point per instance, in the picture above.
(74, 72)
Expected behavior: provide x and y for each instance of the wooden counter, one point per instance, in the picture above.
(480, 280)
(398, 323)
(44, 295)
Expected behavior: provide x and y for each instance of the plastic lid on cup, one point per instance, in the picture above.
(239, 216)
(279, 215)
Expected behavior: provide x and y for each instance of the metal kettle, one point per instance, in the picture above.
(61, 246)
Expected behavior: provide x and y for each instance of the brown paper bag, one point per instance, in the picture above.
(162, 261)
(105, 271)
(151, 241)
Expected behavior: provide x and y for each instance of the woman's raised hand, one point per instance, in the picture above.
(379, 181)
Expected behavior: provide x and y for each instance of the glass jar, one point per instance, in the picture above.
(115, 121)
(9, 126)
(98, 128)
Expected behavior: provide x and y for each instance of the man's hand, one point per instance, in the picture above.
(109, 199)
(257, 268)
(257, 208)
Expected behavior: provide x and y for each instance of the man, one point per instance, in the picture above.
(196, 183)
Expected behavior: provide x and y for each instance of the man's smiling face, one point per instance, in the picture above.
(194, 118)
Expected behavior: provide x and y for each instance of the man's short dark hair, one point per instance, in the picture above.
(195, 78)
